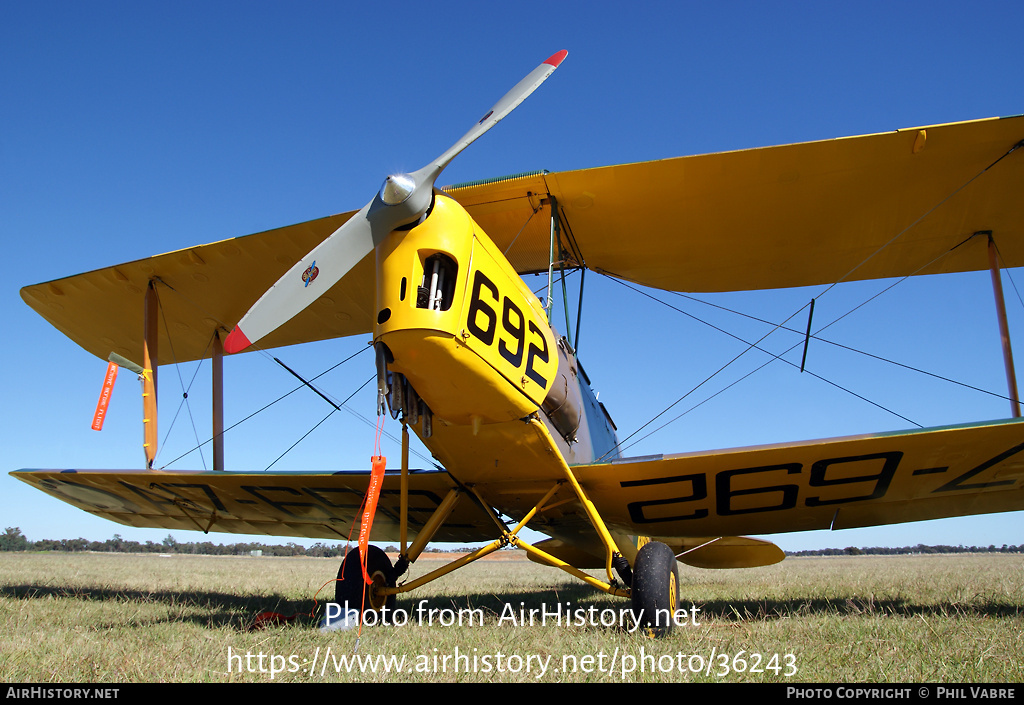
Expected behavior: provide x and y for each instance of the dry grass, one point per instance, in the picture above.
(116, 618)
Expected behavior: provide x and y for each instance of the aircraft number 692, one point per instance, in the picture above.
(513, 323)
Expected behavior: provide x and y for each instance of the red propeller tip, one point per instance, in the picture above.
(236, 341)
(556, 59)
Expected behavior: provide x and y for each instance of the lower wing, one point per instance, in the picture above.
(837, 483)
(700, 503)
(310, 505)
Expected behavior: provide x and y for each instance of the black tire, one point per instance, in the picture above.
(351, 587)
(655, 589)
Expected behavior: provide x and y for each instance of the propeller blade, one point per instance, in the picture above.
(509, 102)
(402, 199)
(305, 282)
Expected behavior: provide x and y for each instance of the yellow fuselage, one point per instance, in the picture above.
(474, 343)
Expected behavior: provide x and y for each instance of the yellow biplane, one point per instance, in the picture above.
(468, 359)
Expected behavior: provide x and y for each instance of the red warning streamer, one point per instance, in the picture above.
(101, 405)
(370, 508)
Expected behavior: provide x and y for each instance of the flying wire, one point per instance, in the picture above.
(270, 357)
(532, 213)
(774, 357)
(924, 215)
(181, 382)
(755, 345)
(267, 406)
(847, 347)
(336, 407)
(707, 379)
(816, 337)
(1008, 274)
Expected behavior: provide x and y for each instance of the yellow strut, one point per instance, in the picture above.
(595, 518)
(150, 360)
(443, 570)
(434, 523)
(511, 538)
(404, 496)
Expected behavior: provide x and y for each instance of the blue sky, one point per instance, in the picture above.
(129, 129)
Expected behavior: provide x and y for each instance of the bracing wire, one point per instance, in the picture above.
(1008, 274)
(816, 336)
(331, 412)
(267, 406)
(750, 346)
(269, 357)
(532, 213)
(924, 215)
(850, 349)
(181, 382)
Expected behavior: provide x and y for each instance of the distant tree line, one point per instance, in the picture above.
(13, 540)
(905, 550)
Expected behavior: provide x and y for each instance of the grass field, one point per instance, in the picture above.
(115, 618)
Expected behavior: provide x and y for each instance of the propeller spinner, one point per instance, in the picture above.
(403, 199)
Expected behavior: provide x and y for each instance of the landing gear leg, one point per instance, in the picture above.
(351, 587)
(655, 588)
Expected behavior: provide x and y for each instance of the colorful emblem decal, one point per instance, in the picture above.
(310, 274)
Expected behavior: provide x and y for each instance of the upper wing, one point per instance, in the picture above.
(761, 218)
(310, 505)
(777, 217)
(839, 483)
(209, 287)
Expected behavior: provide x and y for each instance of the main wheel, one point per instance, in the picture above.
(655, 589)
(351, 587)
